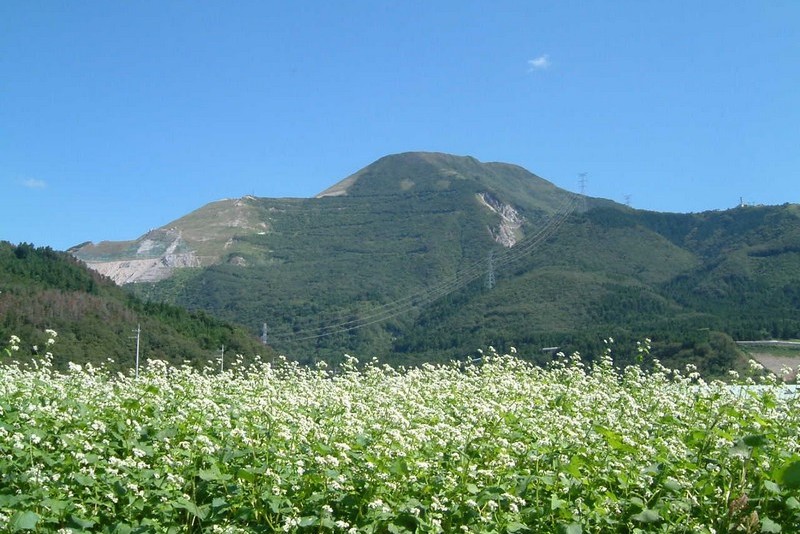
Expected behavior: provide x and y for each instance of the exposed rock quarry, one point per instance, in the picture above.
(148, 268)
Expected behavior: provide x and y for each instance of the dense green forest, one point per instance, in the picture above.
(95, 320)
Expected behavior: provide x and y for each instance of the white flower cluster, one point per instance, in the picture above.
(445, 448)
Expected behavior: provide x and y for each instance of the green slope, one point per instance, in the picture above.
(391, 262)
(44, 289)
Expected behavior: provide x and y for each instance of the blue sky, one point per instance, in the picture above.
(119, 117)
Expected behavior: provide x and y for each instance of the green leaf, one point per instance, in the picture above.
(636, 501)
(210, 474)
(517, 527)
(24, 521)
(55, 505)
(573, 528)
(122, 528)
(83, 480)
(768, 525)
(556, 503)
(789, 475)
(246, 475)
(307, 521)
(792, 503)
(8, 501)
(755, 440)
(771, 486)
(614, 439)
(190, 507)
(647, 516)
(399, 467)
(81, 523)
(473, 489)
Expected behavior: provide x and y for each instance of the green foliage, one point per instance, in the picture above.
(43, 289)
(496, 446)
(312, 269)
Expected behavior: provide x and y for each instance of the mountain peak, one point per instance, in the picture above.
(405, 166)
(418, 172)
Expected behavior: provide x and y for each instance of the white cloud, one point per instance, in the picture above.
(33, 183)
(539, 63)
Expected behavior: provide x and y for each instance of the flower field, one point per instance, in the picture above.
(497, 446)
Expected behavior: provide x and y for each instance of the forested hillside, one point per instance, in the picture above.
(431, 257)
(95, 320)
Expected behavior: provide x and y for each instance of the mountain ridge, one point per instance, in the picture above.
(427, 257)
(207, 235)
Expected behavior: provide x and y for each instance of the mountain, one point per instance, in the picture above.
(428, 256)
(95, 320)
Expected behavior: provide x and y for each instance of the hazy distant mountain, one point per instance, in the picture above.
(426, 256)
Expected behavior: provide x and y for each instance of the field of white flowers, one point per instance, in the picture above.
(496, 446)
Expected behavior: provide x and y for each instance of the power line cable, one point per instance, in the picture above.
(463, 277)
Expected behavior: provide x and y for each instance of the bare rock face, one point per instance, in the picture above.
(155, 262)
(509, 231)
(198, 239)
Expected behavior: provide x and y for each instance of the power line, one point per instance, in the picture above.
(472, 272)
(420, 298)
(464, 276)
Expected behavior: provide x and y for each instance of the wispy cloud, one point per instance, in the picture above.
(33, 183)
(539, 63)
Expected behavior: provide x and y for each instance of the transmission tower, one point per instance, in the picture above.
(582, 180)
(490, 278)
(264, 334)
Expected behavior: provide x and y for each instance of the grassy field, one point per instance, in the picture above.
(496, 446)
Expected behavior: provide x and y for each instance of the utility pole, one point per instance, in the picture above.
(264, 334)
(138, 335)
(222, 359)
(490, 278)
